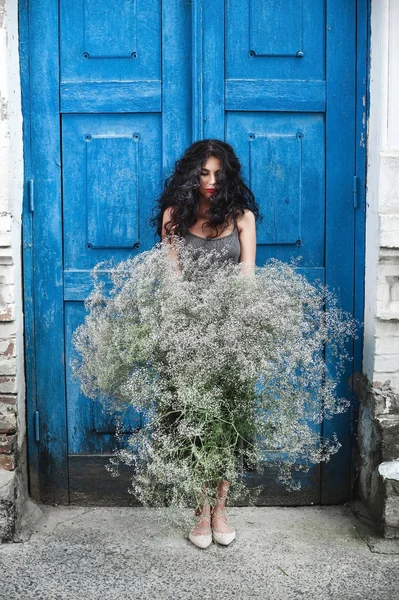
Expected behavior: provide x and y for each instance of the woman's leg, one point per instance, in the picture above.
(219, 519)
(201, 534)
(203, 514)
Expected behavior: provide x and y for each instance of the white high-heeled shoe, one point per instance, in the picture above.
(202, 540)
(222, 537)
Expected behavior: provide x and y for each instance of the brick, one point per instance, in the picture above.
(8, 419)
(388, 363)
(7, 347)
(11, 399)
(383, 329)
(7, 443)
(389, 486)
(389, 344)
(5, 230)
(384, 399)
(7, 273)
(7, 293)
(8, 330)
(388, 181)
(389, 230)
(387, 306)
(6, 256)
(392, 487)
(384, 377)
(7, 313)
(8, 365)
(7, 462)
(389, 430)
(8, 384)
(392, 517)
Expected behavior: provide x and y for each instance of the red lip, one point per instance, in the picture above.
(209, 189)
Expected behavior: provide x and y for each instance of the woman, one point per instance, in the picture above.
(206, 202)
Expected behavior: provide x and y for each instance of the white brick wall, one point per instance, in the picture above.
(12, 388)
(381, 348)
(13, 460)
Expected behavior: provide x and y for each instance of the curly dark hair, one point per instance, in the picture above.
(181, 190)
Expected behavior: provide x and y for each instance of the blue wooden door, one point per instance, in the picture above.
(123, 90)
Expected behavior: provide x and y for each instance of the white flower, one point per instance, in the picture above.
(225, 369)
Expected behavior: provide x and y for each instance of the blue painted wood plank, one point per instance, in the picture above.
(207, 69)
(28, 259)
(273, 94)
(176, 83)
(122, 97)
(47, 249)
(213, 69)
(340, 218)
(197, 83)
(91, 423)
(78, 284)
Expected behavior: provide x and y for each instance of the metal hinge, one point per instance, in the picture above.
(31, 195)
(355, 191)
(36, 417)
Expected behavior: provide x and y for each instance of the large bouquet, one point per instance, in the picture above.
(227, 369)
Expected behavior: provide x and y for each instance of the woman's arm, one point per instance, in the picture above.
(247, 236)
(173, 251)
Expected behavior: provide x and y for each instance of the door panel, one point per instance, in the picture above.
(274, 40)
(107, 197)
(112, 170)
(283, 161)
(103, 41)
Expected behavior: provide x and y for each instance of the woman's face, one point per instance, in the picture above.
(209, 176)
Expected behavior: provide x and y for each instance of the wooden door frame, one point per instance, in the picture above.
(42, 246)
(42, 253)
(362, 112)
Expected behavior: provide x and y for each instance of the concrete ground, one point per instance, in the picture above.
(86, 553)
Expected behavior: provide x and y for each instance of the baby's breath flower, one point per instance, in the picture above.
(226, 370)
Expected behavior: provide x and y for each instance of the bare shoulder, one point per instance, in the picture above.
(167, 214)
(246, 221)
(166, 217)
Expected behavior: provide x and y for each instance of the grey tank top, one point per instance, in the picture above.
(230, 244)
